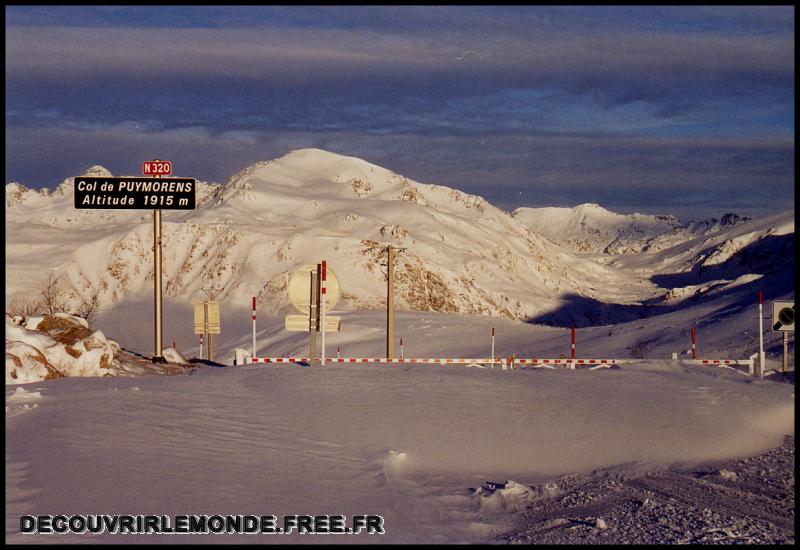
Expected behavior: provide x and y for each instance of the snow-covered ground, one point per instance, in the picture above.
(402, 442)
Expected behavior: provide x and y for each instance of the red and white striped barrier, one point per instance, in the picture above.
(592, 364)
(534, 362)
(719, 361)
(570, 362)
(435, 361)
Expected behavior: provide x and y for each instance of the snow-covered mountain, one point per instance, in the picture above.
(591, 228)
(461, 254)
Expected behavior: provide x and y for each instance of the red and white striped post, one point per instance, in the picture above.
(694, 343)
(761, 356)
(492, 356)
(572, 351)
(401, 349)
(324, 299)
(254, 326)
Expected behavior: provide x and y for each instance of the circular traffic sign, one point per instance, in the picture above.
(300, 288)
(786, 316)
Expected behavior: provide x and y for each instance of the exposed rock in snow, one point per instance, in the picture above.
(512, 496)
(172, 355)
(61, 345)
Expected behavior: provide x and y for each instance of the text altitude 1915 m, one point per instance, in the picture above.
(135, 193)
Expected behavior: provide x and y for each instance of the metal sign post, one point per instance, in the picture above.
(210, 350)
(158, 354)
(783, 321)
(157, 169)
(785, 368)
(761, 356)
(207, 323)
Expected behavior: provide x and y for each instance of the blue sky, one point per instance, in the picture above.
(682, 110)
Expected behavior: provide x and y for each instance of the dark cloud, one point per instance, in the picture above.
(593, 100)
(657, 175)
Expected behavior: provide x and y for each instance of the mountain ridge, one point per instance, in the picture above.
(462, 254)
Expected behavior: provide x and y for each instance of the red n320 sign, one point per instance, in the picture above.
(156, 168)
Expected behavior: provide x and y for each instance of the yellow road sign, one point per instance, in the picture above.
(206, 317)
(300, 323)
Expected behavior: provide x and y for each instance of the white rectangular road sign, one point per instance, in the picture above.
(200, 320)
(300, 323)
(213, 317)
(782, 316)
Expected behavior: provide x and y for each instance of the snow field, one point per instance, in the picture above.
(402, 442)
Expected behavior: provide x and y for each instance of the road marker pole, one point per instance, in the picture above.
(313, 313)
(694, 343)
(323, 299)
(761, 356)
(492, 347)
(572, 352)
(254, 326)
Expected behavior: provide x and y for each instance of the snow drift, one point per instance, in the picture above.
(406, 443)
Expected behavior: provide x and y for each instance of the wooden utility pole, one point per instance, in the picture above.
(390, 300)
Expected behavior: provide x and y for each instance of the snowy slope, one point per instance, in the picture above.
(461, 253)
(591, 228)
(760, 246)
